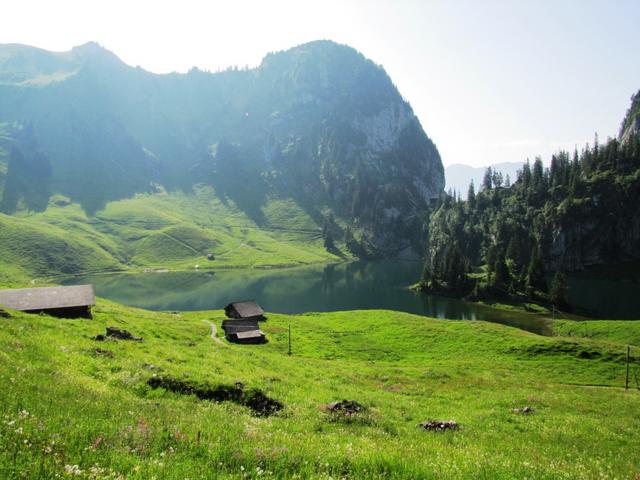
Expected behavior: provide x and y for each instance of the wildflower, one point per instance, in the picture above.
(73, 470)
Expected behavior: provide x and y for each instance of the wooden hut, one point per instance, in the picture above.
(247, 309)
(65, 302)
(243, 331)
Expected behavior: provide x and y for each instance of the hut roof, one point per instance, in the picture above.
(46, 298)
(245, 309)
(249, 334)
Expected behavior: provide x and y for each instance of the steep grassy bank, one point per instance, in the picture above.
(174, 231)
(72, 406)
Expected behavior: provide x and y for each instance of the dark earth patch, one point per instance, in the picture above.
(113, 332)
(259, 403)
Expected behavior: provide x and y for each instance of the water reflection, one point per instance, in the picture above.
(349, 286)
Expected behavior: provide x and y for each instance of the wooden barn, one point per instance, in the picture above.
(248, 309)
(65, 302)
(243, 331)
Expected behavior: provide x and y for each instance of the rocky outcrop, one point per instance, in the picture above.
(602, 228)
(632, 129)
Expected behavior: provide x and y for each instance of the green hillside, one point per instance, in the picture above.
(103, 418)
(156, 231)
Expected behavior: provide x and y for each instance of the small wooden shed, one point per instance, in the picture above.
(243, 331)
(247, 309)
(66, 302)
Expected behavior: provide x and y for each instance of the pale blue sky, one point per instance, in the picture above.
(491, 81)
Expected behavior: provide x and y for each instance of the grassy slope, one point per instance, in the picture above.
(86, 408)
(617, 331)
(173, 231)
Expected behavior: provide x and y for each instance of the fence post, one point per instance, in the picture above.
(290, 341)
(626, 383)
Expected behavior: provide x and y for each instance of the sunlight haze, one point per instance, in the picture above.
(491, 82)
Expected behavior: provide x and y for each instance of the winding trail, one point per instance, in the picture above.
(214, 333)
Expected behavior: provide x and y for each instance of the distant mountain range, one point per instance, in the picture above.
(459, 176)
(318, 123)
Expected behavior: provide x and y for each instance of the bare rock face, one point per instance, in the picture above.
(631, 130)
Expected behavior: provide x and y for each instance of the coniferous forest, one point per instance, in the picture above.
(521, 239)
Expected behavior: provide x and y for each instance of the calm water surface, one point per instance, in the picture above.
(347, 286)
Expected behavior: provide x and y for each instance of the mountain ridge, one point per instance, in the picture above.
(318, 123)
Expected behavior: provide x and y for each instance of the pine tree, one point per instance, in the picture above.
(526, 176)
(514, 252)
(471, 196)
(487, 181)
(501, 277)
(559, 291)
(329, 243)
(327, 233)
(538, 174)
(535, 272)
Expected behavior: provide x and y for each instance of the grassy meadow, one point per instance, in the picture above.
(73, 407)
(172, 231)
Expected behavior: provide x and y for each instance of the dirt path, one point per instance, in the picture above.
(214, 333)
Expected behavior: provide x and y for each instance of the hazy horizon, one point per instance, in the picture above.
(490, 83)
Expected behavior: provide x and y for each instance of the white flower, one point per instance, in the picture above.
(73, 470)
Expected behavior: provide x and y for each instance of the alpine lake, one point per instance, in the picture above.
(358, 285)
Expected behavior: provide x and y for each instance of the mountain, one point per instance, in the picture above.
(458, 176)
(319, 124)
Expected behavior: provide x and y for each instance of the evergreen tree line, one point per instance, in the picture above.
(509, 239)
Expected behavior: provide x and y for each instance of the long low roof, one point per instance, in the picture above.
(45, 298)
(247, 308)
